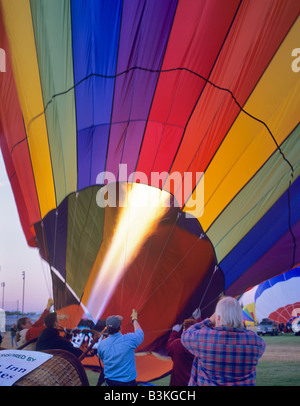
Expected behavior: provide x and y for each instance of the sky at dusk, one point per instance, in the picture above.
(16, 256)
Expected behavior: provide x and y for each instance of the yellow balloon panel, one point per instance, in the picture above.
(18, 22)
(249, 144)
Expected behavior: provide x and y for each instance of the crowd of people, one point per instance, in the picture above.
(214, 351)
(285, 328)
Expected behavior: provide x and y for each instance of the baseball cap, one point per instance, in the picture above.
(114, 321)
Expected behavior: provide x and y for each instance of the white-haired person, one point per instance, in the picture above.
(226, 354)
(117, 352)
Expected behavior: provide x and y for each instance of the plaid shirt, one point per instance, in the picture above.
(223, 355)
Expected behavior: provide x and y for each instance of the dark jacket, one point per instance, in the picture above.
(50, 340)
(182, 360)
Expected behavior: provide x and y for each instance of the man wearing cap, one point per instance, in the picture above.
(117, 352)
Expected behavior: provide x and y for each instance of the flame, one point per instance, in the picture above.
(144, 207)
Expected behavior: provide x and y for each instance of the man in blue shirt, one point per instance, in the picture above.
(117, 352)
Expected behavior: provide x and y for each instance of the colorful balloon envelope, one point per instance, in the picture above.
(279, 298)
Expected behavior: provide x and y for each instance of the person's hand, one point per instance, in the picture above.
(177, 327)
(196, 313)
(134, 315)
(50, 303)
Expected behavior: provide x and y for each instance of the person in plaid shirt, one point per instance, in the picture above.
(225, 352)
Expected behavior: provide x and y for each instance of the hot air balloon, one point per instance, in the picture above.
(249, 314)
(192, 103)
(279, 298)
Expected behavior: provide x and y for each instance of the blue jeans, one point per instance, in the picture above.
(12, 341)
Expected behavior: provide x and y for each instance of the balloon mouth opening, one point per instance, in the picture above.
(142, 207)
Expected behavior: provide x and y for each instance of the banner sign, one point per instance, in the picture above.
(14, 364)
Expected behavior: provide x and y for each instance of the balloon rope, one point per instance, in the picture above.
(208, 285)
(155, 266)
(55, 236)
(48, 283)
(167, 276)
(91, 229)
(73, 225)
(125, 253)
(151, 275)
(140, 275)
(87, 213)
(139, 47)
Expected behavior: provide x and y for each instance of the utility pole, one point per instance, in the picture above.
(23, 274)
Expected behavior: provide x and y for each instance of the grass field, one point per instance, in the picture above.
(279, 366)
